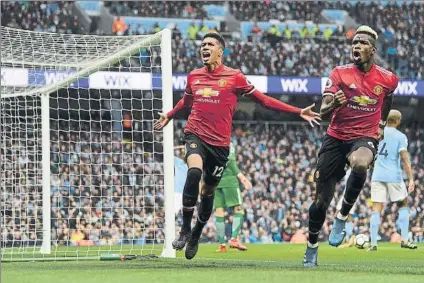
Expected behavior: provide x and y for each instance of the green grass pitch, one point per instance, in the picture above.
(261, 263)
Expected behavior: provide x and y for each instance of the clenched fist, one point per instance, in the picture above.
(339, 98)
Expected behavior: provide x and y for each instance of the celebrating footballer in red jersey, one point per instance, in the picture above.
(358, 98)
(212, 93)
(363, 95)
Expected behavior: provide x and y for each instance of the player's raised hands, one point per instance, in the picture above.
(310, 116)
(339, 98)
(162, 122)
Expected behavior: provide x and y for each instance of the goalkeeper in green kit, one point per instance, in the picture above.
(228, 195)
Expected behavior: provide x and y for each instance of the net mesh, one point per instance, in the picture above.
(106, 162)
(21, 177)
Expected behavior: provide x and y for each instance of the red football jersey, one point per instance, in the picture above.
(215, 95)
(365, 92)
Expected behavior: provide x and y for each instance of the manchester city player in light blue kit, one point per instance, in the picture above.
(387, 183)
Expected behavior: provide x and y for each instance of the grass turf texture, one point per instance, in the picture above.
(262, 263)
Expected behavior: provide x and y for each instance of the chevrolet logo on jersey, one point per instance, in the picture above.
(363, 100)
(207, 92)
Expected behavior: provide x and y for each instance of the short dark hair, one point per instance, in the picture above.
(217, 36)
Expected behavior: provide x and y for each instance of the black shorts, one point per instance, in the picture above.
(334, 153)
(215, 158)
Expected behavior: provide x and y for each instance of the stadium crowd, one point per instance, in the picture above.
(401, 30)
(278, 10)
(111, 191)
(265, 52)
(302, 57)
(103, 190)
(162, 9)
(40, 16)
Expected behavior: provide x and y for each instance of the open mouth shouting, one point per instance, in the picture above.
(206, 55)
(356, 56)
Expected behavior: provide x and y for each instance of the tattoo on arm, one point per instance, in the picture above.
(327, 107)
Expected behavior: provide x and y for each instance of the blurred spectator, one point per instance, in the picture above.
(192, 30)
(327, 33)
(156, 28)
(350, 33)
(119, 26)
(202, 31)
(273, 35)
(256, 29)
(140, 29)
(76, 237)
(299, 237)
(287, 33)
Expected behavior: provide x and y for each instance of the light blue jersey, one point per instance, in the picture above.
(387, 166)
(180, 174)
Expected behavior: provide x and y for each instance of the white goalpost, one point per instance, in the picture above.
(83, 173)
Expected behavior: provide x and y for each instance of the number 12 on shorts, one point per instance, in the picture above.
(217, 172)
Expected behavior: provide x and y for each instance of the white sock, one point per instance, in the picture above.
(313, 245)
(341, 217)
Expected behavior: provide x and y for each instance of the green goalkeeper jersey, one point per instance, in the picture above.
(229, 177)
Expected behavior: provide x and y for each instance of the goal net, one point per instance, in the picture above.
(83, 173)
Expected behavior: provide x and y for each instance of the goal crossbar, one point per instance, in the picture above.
(93, 67)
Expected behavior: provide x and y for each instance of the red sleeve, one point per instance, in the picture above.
(188, 86)
(394, 84)
(333, 82)
(242, 85)
(272, 103)
(186, 101)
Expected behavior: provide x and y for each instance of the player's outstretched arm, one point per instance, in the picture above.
(274, 104)
(186, 101)
(164, 119)
(404, 155)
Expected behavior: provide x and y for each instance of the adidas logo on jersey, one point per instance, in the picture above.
(352, 86)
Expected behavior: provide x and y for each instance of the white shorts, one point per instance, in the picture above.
(339, 205)
(388, 192)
